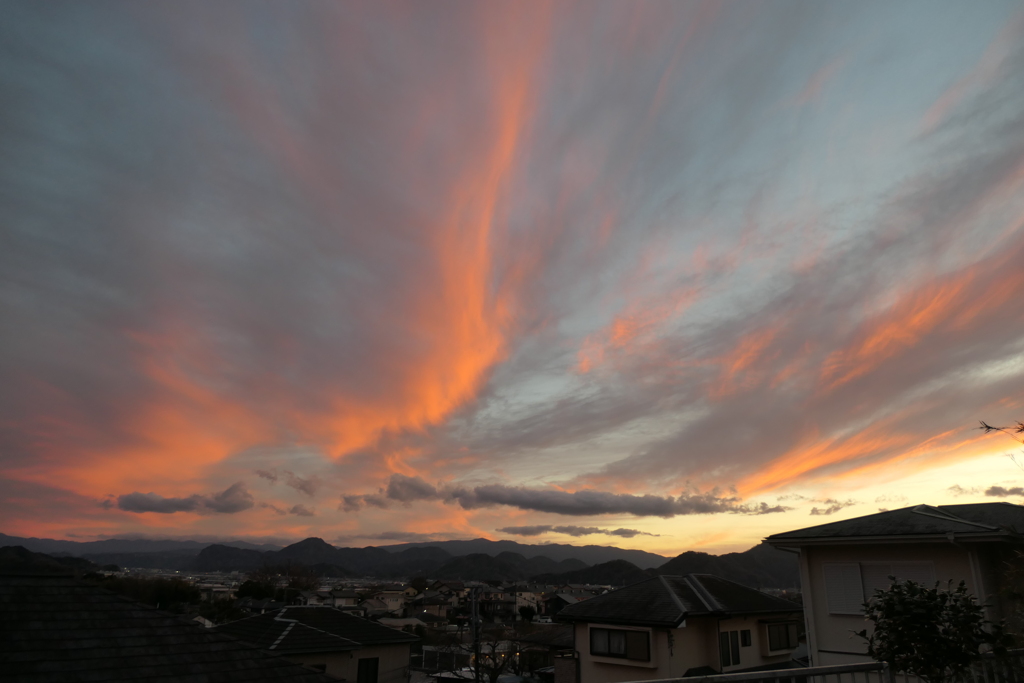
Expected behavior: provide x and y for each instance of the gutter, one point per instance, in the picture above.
(857, 540)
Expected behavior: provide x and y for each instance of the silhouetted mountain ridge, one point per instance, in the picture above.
(588, 554)
(760, 567)
(614, 573)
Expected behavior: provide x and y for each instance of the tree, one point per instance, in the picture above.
(418, 583)
(1011, 432)
(496, 653)
(527, 612)
(933, 633)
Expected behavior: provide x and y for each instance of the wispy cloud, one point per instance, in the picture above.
(832, 506)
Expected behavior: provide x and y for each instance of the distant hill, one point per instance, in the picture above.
(589, 554)
(505, 566)
(760, 567)
(614, 573)
(118, 545)
(224, 558)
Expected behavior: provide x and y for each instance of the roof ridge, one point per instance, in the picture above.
(932, 511)
(675, 598)
(703, 593)
(293, 622)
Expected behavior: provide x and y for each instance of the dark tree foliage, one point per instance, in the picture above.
(172, 595)
(221, 611)
(263, 582)
(933, 633)
(255, 590)
(419, 583)
(527, 613)
(1012, 582)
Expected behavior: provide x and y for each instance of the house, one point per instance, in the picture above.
(556, 602)
(344, 598)
(843, 563)
(547, 653)
(314, 598)
(672, 626)
(393, 598)
(340, 644)
(57, 628)
(437, 604)
(258, 605)
(375, 607)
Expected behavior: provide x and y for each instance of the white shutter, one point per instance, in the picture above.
(843, 590)
(918, 572)
(875, 577)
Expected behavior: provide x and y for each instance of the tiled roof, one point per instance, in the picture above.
(312, 629)
(61, 629)
(977, 520)
(667, 600)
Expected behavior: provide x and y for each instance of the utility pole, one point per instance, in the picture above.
(475, 612)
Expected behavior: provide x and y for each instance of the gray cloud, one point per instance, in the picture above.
(581, 503)
(765, 509)
(308, 485)
(958, 490)
(350, 503)
(152, 502)
(276, 509)
(892, 498)
(269, 475)
(1000, 492)
(570, 530)
(301, 511)
(401, 536)
(832, 506)
(235, 498)
(408, 489)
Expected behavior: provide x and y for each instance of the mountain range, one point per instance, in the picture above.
(479, 559)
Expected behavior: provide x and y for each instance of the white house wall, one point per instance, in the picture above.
(833, 641)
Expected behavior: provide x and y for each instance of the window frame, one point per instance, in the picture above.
(791, 630)
(627, 647)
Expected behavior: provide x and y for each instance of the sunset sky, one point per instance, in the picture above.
(662, 275)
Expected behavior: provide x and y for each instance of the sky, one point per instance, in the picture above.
(661, 275)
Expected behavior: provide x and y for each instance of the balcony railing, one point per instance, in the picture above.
(988, 669)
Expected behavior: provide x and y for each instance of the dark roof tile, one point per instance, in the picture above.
(667, 600)
(978, 519)
(55, 628)
(312, 629)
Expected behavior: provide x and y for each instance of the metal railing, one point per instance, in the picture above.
(988, 669)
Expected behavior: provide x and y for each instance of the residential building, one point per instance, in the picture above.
(57, 628)
(672, 626)
(344, 598)
(338, 643)
(843, 563)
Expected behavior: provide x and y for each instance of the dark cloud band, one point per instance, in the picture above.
(587, 502)
(576, 531)
(235, 498)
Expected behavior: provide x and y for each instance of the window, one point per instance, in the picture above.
(745, 637)
(367, 671)
(729, 647)
(848, 584)
(844, 593)
(617, 642)
(783, 636)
